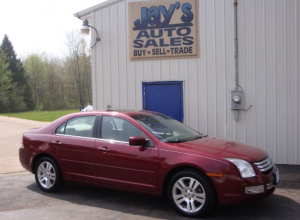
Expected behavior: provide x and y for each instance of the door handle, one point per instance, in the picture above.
(104, 149)
(56, 142)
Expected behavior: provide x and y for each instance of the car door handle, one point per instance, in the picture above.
(56, 142)
(104, 149)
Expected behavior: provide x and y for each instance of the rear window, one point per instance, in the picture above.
(61, 129)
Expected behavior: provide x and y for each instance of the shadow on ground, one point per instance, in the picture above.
(274, 207)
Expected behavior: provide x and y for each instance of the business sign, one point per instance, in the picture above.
(160, 29)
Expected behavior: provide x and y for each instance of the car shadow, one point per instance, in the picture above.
(274, 207)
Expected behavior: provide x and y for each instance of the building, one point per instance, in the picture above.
(136, 65)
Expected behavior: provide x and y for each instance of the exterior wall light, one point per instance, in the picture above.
(85, 29)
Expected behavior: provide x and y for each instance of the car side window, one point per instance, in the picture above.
(61, 129)
(114, 128)
(80, 126)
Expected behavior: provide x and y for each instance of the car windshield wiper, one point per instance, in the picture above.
(187, 139)
(198, 137)
(175, 141)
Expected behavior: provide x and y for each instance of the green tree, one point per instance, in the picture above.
(5, 82)
(78, 64)
(19, 79)
(36, 68)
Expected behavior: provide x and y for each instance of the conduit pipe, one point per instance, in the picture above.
(235, 56)
(235, 30)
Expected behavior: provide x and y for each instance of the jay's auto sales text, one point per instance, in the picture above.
(168, 29)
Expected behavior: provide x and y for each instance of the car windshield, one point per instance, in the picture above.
(165, 128)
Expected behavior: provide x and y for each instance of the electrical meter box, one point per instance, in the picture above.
(237, 100)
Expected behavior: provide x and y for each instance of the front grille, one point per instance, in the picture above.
(264, 165)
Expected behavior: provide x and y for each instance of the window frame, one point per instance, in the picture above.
(94, 133)
(150, 143)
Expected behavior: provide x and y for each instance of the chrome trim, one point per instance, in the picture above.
(264, 165)
(106, 140)
(113, 141)
(91, 138)
(270, 185)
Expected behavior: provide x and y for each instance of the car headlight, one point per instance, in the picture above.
(244, 167)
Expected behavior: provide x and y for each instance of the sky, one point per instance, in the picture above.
(37, 26)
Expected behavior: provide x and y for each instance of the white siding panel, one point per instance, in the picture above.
(156, 70)
(174, 69)
(229, 69)
(297, 8)
(99, 63)
(122, 53)
(183, 68)
(211, 66)
(139, 75)
(260, 75)
(131, 93)
(94, 64)
(202, 70)
(114, 58)
(291, 80)
(165, 69)
(220, 70)
(147, 70)
(281, 79)
(269, 48)
(271, 70)
(192, 93)
(106, 57)
(270, 77)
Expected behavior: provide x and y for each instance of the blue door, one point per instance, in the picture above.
(164, 97)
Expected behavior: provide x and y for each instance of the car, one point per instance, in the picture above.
(151, 153)
(87, 108)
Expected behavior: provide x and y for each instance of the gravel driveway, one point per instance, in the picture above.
(11, 131)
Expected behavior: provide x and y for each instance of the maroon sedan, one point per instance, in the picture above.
(147, 152)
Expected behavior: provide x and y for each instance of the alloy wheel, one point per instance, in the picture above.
(188, 194)
(46, 175)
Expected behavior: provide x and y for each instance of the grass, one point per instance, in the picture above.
(46, 116)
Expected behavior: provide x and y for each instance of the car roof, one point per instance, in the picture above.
(121, 111)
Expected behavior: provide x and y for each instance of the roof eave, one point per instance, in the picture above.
(85, 13)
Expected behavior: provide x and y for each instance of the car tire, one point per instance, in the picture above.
(191, 193)
(47, 175)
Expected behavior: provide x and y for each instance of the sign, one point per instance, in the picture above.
(163, 29)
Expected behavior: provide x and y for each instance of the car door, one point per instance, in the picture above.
(121, 165)
(75, 147)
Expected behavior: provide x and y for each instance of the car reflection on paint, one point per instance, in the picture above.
(147, 152)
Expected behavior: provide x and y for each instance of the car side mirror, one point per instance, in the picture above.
(137, 141)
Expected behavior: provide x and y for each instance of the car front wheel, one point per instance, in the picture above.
(47, 175)
(191, 193)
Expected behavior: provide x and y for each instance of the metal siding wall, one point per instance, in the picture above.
(122, 54)
(269, 32)
(269, 52)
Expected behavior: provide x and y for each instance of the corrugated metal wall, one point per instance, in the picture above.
(269, 53)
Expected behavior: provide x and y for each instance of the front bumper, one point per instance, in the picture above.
(233, 189)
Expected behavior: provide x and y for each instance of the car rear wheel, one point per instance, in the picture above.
(191, 193)
(47, 175)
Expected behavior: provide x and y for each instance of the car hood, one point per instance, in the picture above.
(221, 148)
